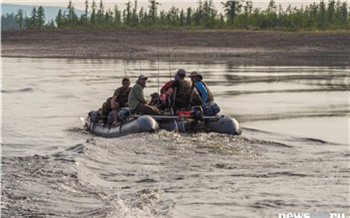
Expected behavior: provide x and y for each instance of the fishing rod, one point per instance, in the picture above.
(169, 55)
(124, 68)
(158, 69)
(140, 67)
(124, 64)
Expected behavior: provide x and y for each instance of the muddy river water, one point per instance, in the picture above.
(292, 157)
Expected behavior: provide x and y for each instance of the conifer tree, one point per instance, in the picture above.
(100, 13)
(20, 18)
(32, 20)
(72, 18)
(117, 16)
(198, 14)
(182, 18)
(331, 11)
(345, 17)
(41, 17)
(189, 16)
(209, 14)
(86, 8)
(127, 14)
(231, 8)
(134, 16)
(322, 15)
(153, 10)
(84, 21)
(93, 13)
(59, 19)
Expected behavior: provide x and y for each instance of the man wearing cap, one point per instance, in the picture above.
(137, 101)
(185, 95)
(117, 101)
(201, 86)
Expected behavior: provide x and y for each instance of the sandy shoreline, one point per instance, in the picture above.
(253, 47)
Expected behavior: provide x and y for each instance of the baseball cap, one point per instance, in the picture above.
(181, 72)
(142, 77)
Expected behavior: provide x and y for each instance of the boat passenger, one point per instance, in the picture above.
(164, 103)
(166, 86)
(137, 101)
(117, 101)
(185, 95)
(202, 87)
(155, 100)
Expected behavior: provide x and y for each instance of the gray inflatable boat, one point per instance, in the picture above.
(194, 121)
(139, 124)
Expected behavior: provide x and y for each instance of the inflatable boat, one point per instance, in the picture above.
(184, 121)
(132, 125)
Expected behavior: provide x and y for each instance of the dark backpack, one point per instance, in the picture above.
(210, 109)
(94, 116)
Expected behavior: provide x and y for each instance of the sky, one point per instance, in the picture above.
(164, 4)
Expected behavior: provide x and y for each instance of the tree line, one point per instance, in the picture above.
(237, 14)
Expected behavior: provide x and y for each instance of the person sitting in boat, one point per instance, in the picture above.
(155, 100)
(117, 101)
(166, 86)
(185, 95)
(137, 101)
(202, 87)
(160, 100)
(163, 101)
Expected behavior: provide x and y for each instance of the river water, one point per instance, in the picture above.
(292, 157)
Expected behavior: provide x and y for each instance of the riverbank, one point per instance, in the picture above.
(253, 47)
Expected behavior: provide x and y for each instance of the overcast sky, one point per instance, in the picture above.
(165, 4)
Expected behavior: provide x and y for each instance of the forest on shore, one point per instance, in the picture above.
(237, 14)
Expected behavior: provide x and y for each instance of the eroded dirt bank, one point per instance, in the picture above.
(257, 47)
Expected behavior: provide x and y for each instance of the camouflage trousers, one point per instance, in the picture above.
(148, 109)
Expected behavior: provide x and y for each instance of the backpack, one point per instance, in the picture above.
(210, 109)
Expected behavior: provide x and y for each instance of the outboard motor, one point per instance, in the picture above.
(196, 112)
(197, 115)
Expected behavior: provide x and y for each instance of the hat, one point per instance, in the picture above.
(142, 77)
(195, 74)
(181, 72)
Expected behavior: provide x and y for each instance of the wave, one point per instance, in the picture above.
(339, 111)
(56, 185)
(18, 90)
(141, 175)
